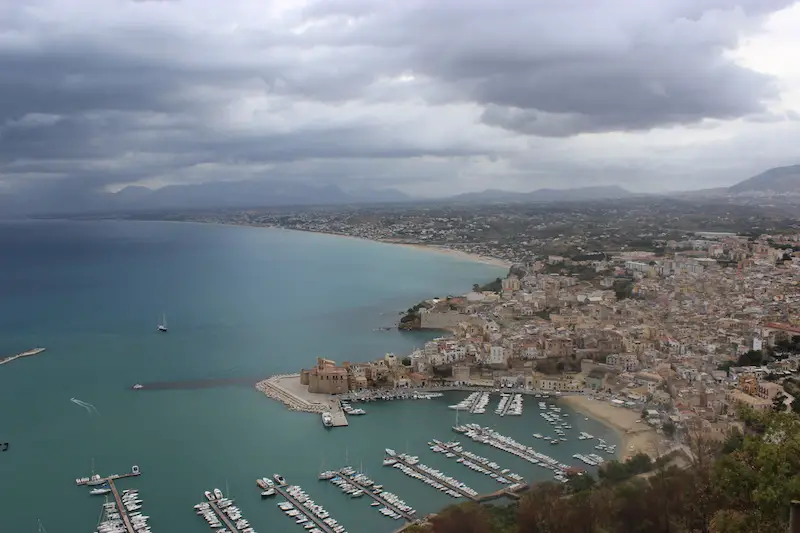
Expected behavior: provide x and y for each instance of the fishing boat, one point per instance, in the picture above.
(163, 325)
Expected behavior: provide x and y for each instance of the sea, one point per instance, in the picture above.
(241, 303)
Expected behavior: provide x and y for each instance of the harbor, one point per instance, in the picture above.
(396, 507)
(28, 353)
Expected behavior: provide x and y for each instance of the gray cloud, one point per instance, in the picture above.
(334, 90)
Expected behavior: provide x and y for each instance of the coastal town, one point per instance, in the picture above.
(660, 345)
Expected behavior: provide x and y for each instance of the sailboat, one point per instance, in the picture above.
(41, 527)
(95, 479)
(163, 325)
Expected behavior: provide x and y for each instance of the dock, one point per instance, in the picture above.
(447, 484)
(133, 473)
(338, 418)
(281, 489)
(377, 497)
(223, 517)
(123, 512)
(35, 351)
(452, 447)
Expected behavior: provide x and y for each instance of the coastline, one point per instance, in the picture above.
(435, 248)
(636, 437)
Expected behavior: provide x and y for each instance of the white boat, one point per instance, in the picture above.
(327, 419)
(138, 386)
(163, 325)
(279, 479)
(267, 493)
(101, 490)
(218, 494)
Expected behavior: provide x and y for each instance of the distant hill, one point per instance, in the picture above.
(602, 192)
(210, 195)
(775, 180)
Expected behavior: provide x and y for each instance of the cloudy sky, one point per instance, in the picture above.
(430, 96)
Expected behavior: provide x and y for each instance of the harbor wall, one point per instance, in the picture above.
(445, 320)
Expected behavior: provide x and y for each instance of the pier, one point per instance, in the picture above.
(443, 482)
(223, 517)
(281, 489)
(338, 418)
(452, 447)
(133, 473)
(377, 497)
(35, 351)
(123, 512)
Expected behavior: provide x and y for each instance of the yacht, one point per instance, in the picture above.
(218, 494)
(138, 386)
(209, 496)
(100, 490)
(327, 420)
(267, 493)
(279, 479)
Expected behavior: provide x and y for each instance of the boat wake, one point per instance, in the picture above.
(89, 407)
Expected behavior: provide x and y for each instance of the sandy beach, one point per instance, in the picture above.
(458, 254)
(637, 437)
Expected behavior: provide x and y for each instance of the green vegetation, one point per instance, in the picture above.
(493, 286)
(406, 361)
(743, 485)
(623, 288)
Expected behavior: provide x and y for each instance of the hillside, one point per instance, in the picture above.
(602, 192)
(776, 180)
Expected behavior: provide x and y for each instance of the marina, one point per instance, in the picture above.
(28, 353)
(509, 405)
(475, 403)
(488, 436)
(362, 483)
(411, 467)
(389, 395)
(123, 513)
(453, 450)
(219, 511)
(301, 507)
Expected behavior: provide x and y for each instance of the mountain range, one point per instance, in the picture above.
(244, 194)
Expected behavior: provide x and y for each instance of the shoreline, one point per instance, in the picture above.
(435, 248)
(635, 437)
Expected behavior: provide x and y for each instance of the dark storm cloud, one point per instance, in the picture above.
(111, 93)
(564, 68)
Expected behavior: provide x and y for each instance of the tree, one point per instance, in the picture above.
(406, 361)
(778, 402)
(468, 518)
(669, 429)
(476, 288)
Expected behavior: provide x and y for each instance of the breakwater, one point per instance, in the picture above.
(35, 351)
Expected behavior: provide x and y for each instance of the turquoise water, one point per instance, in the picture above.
(241, 302)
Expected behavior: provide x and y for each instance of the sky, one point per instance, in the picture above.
(432, 97)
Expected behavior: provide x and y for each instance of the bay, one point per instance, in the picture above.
(241, 303)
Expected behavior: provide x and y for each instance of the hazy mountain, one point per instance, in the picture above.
(602, 192)
(239, 194)
(774, 180)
